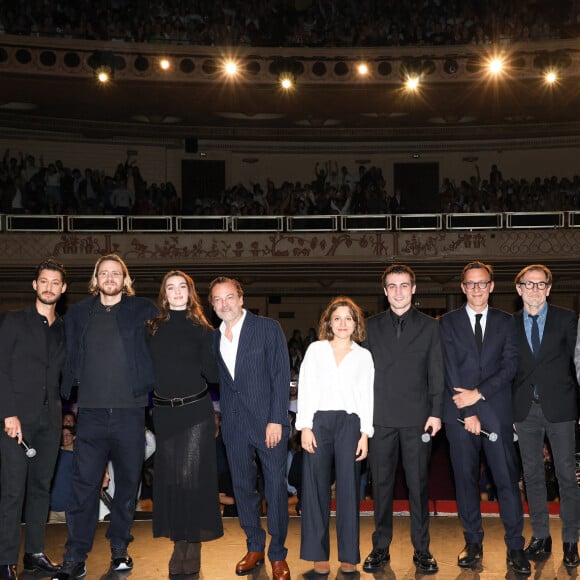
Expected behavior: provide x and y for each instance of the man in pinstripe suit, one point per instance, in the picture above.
(254, 390)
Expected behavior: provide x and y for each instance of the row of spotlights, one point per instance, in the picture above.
(231, 69)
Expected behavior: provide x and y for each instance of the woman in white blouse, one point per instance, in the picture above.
(335, 414)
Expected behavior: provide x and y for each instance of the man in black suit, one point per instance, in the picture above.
(32, 351)
(481, 358)
(545, 400)
(408, 395)
(254, 374)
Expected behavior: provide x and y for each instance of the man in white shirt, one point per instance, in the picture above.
(254, 373)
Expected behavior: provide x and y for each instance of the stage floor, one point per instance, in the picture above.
(219, 557)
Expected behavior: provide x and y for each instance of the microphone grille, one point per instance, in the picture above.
(493, 437)
(30, 453)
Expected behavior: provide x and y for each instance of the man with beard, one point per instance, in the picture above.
(108, 360)
(254, 374)
(32, 352)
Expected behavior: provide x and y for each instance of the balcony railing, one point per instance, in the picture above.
(311, 223)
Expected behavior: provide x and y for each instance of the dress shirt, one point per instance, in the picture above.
(229, 349)
(324, 386)
(471, 313)
(541, 323)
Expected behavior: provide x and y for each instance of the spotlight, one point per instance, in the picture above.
(550, 77)
(450, 66)
(495, 66)
(165, 64)
(362, 69)
(412, 83)
(230, 68)
(104, 74)
(286, 82)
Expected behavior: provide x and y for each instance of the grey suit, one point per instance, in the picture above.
(256, 396)
(554, 415)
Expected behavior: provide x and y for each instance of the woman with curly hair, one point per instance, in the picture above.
(335, 414)
(185, 492)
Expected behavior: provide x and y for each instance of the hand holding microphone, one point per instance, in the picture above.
(491, 436)
(28, 449)
(426, 436)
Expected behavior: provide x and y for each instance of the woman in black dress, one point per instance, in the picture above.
(185, 488)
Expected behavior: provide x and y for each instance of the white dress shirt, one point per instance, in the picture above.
(324, 386)
(229, 349)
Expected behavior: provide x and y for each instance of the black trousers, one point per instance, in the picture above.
(22, 478)
(118, 434)
(384, 456)
(337, 434)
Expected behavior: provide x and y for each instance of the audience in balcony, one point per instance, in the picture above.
(302, 23)
(35, 188)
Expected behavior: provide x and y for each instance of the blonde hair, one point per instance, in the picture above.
(127, 282)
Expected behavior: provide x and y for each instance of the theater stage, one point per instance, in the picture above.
(219, 557)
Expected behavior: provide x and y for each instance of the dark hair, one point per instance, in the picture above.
(535, 268)
(398, 269)
(477, 265)
(194, 308)
(50, 264)
(225, 280)
(324, 328)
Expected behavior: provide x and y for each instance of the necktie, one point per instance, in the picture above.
(478, 332)
(399, 328)
(535, 334)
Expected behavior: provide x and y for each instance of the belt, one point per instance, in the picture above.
(178, 401)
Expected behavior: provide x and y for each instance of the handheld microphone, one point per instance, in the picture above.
(491, 436)
(426, 437)
(30, 451)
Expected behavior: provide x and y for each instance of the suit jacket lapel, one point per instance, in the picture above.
(244, 341)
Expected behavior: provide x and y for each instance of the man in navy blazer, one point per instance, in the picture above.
(545, 399)
(481, 359)
(254, 375)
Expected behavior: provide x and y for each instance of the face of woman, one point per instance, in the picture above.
(176, 292)
(342, 322)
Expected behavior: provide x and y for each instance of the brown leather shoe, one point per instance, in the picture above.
(280, 570)
(249, 563)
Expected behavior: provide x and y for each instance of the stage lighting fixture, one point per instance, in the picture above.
(104, 74)
(550, 76)
(495, 65)
(231, 68)
(362, 69)
(165, 64)
(286, 81)
(412, 82)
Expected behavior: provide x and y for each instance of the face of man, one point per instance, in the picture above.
(533, 298)
(110, 278)
(477, 296)
(399, 291)
(49, 287)
(226, 302)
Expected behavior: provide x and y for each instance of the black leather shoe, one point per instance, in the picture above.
(469, 556)
(376, 559)
(39, 563)
(518, 562)
(425, 562)
(70, 571)
(571, 559)
(539, 548)
(8, 572)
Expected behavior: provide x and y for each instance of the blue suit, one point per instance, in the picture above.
(492, 372)
(258, 395)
